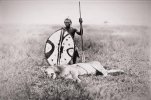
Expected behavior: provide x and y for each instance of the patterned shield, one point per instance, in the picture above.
(59, 48)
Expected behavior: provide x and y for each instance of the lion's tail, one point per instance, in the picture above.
(115, 71)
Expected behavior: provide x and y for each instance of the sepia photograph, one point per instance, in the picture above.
(75, 50)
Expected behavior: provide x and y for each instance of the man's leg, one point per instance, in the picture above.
(74, 59)
(75, 55)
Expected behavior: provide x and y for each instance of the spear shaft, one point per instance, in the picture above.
(81, 31)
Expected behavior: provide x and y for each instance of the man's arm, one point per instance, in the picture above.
(79, 33)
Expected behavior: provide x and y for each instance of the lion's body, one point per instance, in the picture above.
(73, 71)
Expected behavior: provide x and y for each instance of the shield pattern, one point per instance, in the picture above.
(59, 48)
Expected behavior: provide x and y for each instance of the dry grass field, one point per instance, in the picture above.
(123, 47)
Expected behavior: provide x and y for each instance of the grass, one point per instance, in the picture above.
(124, 47)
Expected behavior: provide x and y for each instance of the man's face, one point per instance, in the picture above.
(67, 24)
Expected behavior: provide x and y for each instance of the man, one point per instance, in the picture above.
(72, 32)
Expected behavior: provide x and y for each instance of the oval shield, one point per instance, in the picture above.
(59, 48)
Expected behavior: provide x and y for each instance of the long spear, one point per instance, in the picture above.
(81, 30)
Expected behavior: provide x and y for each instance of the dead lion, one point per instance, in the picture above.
(73, 71)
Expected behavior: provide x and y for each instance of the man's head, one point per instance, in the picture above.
(67, 22)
